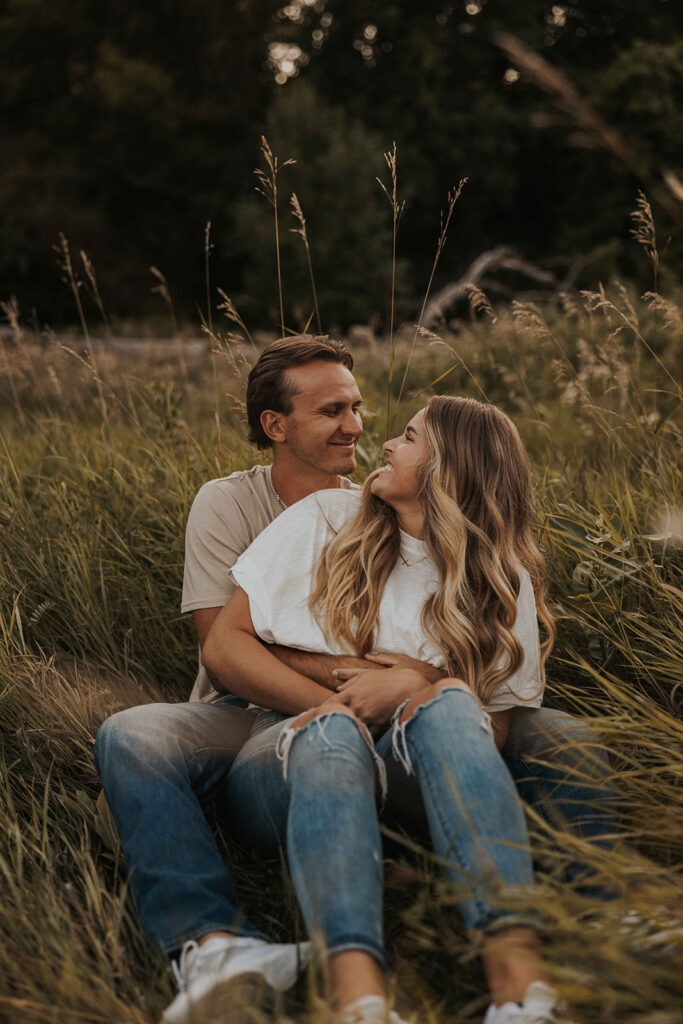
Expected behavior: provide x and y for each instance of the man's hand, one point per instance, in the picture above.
(319, 667)
(431, 674)
(375, 694)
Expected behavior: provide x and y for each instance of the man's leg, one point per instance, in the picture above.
(563, 773)
(158, 764)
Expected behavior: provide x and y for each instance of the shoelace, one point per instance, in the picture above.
(179, 972)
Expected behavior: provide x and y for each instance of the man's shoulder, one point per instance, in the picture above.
(256, 481)
(241, 478)
(238, 485)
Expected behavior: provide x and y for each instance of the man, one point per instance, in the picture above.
(160, 763)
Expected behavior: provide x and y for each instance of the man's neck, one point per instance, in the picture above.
(294, 482)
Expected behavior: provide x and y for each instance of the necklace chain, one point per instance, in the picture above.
(280, 501)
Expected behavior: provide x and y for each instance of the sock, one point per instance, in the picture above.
(364, 1008)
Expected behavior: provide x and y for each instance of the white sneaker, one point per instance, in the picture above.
(369, 1010)
(539, 1002)
(232, 979)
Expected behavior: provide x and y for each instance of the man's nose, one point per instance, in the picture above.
(352, 425)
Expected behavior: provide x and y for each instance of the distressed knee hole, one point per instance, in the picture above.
(407, 711)
(427, 695)
(327, 709)
(321, 716)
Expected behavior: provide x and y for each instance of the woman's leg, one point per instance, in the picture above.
(310, 783)
(476, 822)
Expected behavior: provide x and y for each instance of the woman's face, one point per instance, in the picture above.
(397, 482)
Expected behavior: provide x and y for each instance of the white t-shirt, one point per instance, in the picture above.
(278, 570)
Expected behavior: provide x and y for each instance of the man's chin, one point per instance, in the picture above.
(344, 464)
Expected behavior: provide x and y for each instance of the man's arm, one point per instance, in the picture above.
(237, 661)
(204, 619)
(318, 667)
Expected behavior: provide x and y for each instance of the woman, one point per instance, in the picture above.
(434, 560)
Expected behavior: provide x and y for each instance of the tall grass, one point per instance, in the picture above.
(92, 515)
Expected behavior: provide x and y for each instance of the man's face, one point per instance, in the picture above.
(325, 422)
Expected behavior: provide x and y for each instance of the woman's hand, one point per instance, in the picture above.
(373, 695)
(431, 674)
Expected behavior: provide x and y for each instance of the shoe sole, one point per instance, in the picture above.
(244, 999)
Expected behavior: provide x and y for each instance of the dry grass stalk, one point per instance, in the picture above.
(479, 302)
(89, 268)
(70, 278)
(267, 187)
(301, 231)
(453, 196)
(162, 289)
(629, 319)
(230, 310)
(643, 231)
(396, 213)
(208, 247)
(671, 314)
(11, 312)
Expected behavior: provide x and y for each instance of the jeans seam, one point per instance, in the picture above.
(481, 907)
(358, 942)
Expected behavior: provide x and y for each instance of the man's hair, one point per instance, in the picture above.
(268, 387)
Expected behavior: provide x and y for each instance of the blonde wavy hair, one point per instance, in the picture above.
(476, 493)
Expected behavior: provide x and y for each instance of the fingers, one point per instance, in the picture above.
(383, 659)
(345, 673)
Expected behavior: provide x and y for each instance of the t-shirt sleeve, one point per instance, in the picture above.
(276, 571)
(525, 687)
(214, 539)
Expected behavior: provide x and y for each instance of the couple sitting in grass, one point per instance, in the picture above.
(362, 650)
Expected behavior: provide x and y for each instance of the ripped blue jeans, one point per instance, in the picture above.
(312, 789)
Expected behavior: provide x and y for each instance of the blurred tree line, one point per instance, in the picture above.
(128, 127)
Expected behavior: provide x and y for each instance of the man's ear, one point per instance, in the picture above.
(274, 426)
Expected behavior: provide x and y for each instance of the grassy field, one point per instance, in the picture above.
(101, 453)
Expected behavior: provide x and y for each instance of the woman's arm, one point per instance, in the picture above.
(237, 661)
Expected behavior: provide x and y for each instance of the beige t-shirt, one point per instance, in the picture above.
(226, 516)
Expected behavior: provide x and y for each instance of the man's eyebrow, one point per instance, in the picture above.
(340, 401)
